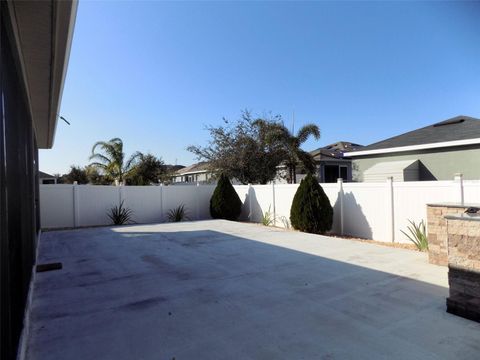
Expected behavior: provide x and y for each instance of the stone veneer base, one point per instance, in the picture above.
(437, 230)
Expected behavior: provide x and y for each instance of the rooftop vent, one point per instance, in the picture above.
(449, 122)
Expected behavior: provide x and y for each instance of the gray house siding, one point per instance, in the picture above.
(435, 164)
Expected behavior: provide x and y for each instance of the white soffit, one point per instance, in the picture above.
(43, 31)
(415, 147)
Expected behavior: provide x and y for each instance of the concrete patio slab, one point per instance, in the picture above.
(226, 290)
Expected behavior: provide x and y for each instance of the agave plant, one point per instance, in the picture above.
(417, 235)
(268, 218)
(285, 222)
(178, 214)
(120, 215)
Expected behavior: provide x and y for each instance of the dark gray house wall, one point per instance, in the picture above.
(35, 38)
(19, 210)
(331, 171)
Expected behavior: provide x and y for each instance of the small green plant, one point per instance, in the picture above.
(178, 214)
(120, 215)
(417, 235)
(267, 218)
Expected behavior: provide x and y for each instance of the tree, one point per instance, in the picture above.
(111, 159)
(291, 145)
(311, 210)
(95, 178)
(241, 150)
(77, 174)
(225, 203)
(148, 169)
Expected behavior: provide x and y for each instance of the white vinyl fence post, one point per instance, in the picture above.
(120, 194)
(161, 203)
(340, 198)
(458, 183)
(273, 202)
(249, 202)
(197, 200)
(390, 210)
(76, 212)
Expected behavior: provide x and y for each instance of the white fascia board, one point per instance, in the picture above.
(415, 147)
(193, 172)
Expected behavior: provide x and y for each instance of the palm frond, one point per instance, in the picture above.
(132, 159)
(306, 159)
(99, 157)
(306, 131)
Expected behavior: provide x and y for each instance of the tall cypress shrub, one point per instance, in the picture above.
(225, 203)
(311, 210)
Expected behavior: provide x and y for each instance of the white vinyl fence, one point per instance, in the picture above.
(369, 210)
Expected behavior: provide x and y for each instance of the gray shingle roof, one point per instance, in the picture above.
(201, 166)
(457, 128)
(335, 150)
(43, 175)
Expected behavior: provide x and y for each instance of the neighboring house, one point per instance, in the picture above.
(35, 39)
(196, 173)
(45, 178)
(330, 161)
(434, 152)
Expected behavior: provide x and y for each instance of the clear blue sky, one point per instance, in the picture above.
(155, 73)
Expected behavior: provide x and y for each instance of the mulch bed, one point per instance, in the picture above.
(369, 241)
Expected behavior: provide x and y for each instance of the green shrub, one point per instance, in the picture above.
(311, 210)
(225, 203)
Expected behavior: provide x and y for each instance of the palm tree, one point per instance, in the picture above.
(111, 159)
(292, 143)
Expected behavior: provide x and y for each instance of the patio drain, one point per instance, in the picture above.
(49, 267)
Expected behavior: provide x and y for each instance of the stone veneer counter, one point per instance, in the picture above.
(437, 229)
(464, 265)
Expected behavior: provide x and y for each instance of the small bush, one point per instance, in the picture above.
(178, 214)
(418, 235)
(120, 215)
(311, 210)
(225, 203)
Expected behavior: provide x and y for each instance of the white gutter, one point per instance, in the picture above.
(192, 172)
(414, 147)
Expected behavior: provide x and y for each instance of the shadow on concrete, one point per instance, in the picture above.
(128, 293)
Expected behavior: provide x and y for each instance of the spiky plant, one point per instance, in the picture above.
(285, 222)
(417, 234)
(268, 218)
(120, 215)
(178, 214)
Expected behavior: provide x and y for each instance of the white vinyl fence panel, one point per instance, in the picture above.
(56, 206)
(368, 210)
(365, 207)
